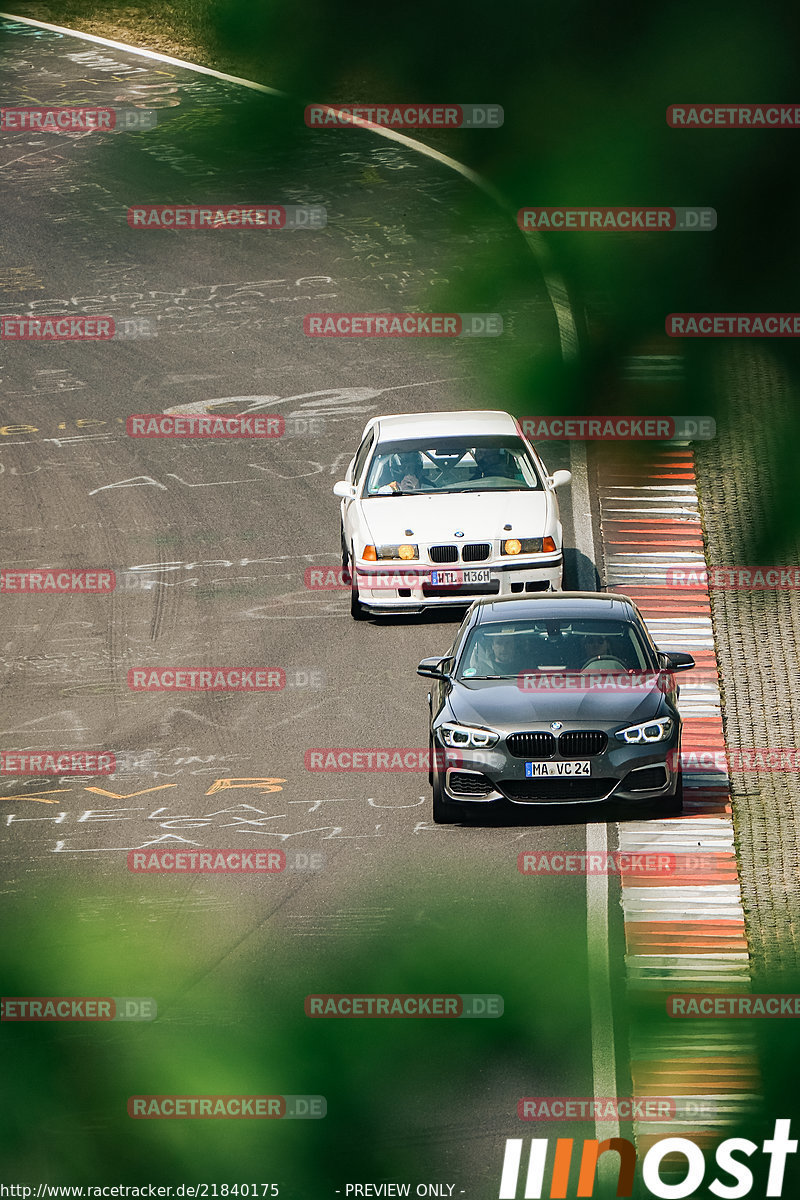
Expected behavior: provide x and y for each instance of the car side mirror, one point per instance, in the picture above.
(676, 660)
(344, 490)
(431, 668)
(561, 479)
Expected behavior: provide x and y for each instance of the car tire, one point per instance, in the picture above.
(444, 811)
(357, 610)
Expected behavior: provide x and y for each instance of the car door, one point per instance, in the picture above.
(349, 516)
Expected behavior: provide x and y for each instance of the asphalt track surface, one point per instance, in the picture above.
(217, 537)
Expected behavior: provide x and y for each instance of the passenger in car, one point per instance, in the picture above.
(497, 652)
(494, 462)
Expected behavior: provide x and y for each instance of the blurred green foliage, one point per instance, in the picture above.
(402, 1094)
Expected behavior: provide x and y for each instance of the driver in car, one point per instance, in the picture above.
(601, 655)
(408, 474)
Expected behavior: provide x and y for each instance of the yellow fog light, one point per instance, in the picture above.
(406, 551)
(513, 546)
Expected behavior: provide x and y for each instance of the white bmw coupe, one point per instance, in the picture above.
(439, 508)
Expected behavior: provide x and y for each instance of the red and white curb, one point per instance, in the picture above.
(685, 933)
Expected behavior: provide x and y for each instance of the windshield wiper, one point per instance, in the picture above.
(516, 488)
(396, 492)
(469, 678)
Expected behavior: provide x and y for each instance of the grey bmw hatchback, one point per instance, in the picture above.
(554, 698)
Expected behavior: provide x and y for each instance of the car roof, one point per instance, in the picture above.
(611, 606)
(444, 424)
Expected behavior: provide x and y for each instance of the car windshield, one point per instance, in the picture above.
(505, 649)
(469, 464)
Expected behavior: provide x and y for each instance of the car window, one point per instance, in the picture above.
(361, 454)
(506, 649)
(452, 465)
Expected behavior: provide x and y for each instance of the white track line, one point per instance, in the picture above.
(556, 287)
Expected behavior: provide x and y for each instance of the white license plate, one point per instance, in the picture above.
(459, 578)
(580, 766)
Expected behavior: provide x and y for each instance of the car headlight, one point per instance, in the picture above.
(528, 546)
(649, 731)
(405, 551)
(466, 737)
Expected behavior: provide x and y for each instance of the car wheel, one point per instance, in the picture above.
(444, 812)
(357, 610)
(672, 806)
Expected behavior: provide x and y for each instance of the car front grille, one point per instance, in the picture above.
(467, 783)
(472, 552)
(476, 552)
(444, 554)
(554, 790)
(531, 745)
(580, 743)
(575, 743)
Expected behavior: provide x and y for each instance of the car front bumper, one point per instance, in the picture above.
(407, 587)
(626, 772)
